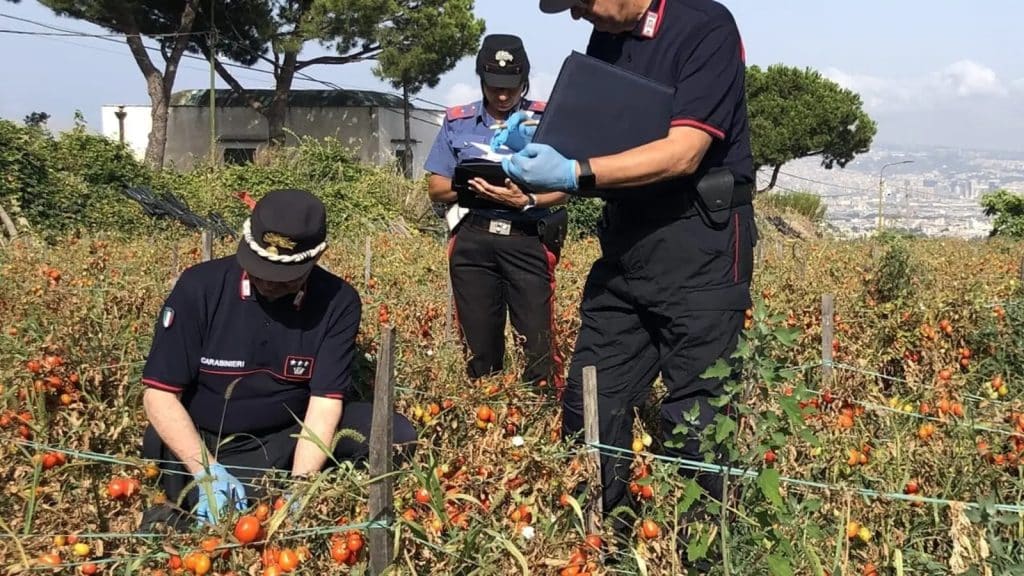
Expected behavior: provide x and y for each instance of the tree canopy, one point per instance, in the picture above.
(1008, 209)
(413, 42)
(795, 113)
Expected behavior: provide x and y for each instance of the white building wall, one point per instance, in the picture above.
(367, 131)
(424, 126)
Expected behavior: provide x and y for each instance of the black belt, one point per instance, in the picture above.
(499, 226)
(672, 205)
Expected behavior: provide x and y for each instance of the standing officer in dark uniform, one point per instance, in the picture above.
(668, 293)
(244, 348)
(502, 261)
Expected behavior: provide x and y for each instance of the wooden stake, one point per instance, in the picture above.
(592, 435)
(207, 240)
(827, 312)
(382, 435)
(367, 259)
(449, 313)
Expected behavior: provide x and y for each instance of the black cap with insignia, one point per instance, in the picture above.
(502, 61)
(284, 237)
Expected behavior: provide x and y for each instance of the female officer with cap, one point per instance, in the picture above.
(500, 262)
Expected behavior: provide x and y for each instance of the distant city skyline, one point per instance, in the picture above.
(929, 76)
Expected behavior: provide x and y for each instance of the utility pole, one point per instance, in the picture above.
(881, 187)
(213, 87)
(408, 132)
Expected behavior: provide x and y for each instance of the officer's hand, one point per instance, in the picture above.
(514, 135)
(509, 194)
(223, 487)
(541, 167)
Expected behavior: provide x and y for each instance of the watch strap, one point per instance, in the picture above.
(531, 203)
(586, 180)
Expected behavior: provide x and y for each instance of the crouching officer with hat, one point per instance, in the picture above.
(501, 259)
(244, 348)
(669, 292)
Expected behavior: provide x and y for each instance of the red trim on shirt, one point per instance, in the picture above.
(248, 372)
(714, 132)
(661, 16)
(455, 308)
(332, 395)
(160, 385)
(736, 248)
(242, 283)
(743, 52)
(460, 112)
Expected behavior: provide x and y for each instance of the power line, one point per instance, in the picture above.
(783, 188)
(124, 53)
(301, 76)
(87, 35)
(912, 192)
(115, 37)
(834, 185)
(66, 32)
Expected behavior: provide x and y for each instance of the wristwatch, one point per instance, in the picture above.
(586, 180)
(531, 201)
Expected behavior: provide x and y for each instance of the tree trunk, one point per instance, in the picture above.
(277, 112)
(12, 232)
(157, 98)
(407, 159)
(159, 84)
(157, 145)
(771, 183)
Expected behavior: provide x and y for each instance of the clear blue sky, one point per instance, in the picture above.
(932, 73)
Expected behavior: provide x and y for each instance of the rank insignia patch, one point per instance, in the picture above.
(298, 367)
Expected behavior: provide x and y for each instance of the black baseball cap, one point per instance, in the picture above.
(502, 61)
(556, 6)
(284, 236)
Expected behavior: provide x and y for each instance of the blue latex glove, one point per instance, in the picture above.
(224, 487)
(292, 501)
(541, 167)
(514, 135)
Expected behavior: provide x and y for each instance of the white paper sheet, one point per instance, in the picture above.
(491, 154)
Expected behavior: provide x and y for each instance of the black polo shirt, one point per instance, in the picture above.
(695, 46)
(215, 328)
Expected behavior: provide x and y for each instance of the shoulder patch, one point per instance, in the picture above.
(537, 106)
(461, 112)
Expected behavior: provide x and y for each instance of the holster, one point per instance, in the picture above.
(715, 200)
(552, 230)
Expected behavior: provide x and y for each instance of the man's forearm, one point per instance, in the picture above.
(174, 426)
(678, 154)
(322, 418)
(549, 199)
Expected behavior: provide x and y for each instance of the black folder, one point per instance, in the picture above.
(597, 109)
(465, 171)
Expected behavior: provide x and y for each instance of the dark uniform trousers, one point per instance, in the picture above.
(249, 456)
(645, 310)
(494, 274)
